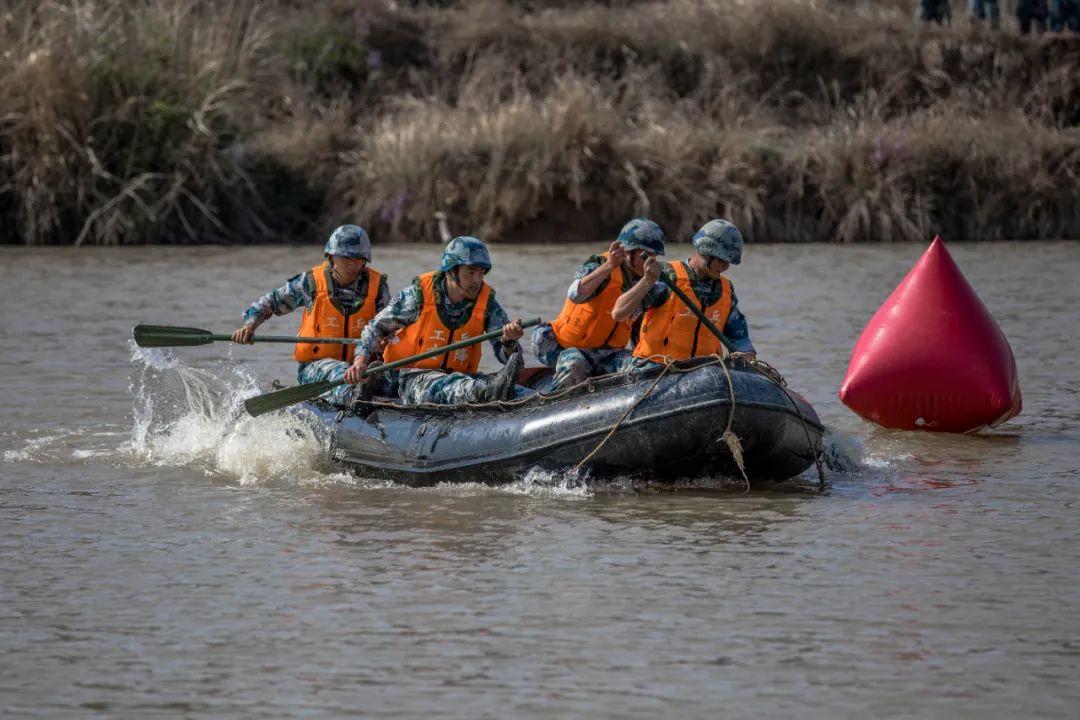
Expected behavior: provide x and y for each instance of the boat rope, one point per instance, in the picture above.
(761, 367)
(734, 445)
(625, 415)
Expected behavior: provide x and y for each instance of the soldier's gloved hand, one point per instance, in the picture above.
(355, 373)
(652, 269)
(512, 332)
(244, 335)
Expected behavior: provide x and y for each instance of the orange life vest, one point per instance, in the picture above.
(671, 330)
(429, 332)
(589, 324)
(323, 319)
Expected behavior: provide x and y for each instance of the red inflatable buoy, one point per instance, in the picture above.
(932, 357)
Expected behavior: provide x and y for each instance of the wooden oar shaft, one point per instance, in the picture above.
(446, 348)
(217, 337)
(292, 339)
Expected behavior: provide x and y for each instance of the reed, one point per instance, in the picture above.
(801, 120)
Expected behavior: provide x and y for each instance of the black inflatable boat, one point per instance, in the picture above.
(673, 432)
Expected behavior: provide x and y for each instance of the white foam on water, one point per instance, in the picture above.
(843, 453)
(185, 416)
(543, 483)
(35, 450)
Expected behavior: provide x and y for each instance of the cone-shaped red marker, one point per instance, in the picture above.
(932, 357)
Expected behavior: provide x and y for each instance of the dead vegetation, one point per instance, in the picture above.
(192, 121)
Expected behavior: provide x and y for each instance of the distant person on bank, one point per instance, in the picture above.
(1065, 15)
(986, 9)
(585, 340)
(1032, 14)
(439, 308)
(340, 297)
(669, 330)
(933, 11)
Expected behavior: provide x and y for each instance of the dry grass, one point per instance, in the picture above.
(186, 120)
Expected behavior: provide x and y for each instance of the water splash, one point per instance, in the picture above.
(186, 416)
(191, 417)
(843, 453)
(34, 449)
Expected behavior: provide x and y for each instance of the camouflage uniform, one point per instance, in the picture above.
(707, 291)
(984, 9)
(574, 365)
(716, 239)
(434, 386)
(933, 11)
(299, 291)
(1065, 15)
(1032, 12)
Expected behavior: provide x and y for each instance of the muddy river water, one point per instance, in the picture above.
(160, 558)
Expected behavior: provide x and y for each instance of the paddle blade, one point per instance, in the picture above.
(269, 402)
(169, 336)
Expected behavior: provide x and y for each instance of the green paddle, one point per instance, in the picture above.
(170, 336)
(261, 404)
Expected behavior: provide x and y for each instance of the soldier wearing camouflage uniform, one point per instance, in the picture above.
(585, 341)
(439, 308)
(933, 11)
(669, 330)
(339, 298)
(986, 9)
(1065, 15)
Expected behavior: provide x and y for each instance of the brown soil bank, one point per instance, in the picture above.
(194, 121)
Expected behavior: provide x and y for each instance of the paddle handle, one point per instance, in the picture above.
(700, 315)
(434, 352)
(291, 339)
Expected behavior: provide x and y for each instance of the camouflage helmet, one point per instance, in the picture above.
(465, 250)
(349, 241)
(719, 239)
(644, 234)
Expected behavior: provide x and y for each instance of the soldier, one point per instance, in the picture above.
(669, 330)
(339, 297)
(585, 340)
(934, 11)
(1032, 13)
(983, 9)
(1065, 15)
(439, 308)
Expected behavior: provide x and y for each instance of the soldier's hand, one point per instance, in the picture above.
(652, 269)
(355, 373)
(512, 332)
(616, 254)
(244, 335)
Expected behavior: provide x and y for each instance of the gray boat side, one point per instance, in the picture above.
(674, 431)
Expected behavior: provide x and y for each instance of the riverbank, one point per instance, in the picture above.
(183, 121)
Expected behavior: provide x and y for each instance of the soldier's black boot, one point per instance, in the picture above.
(500, 386)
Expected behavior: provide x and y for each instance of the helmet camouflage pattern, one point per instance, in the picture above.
(644, 234)
(349, 241)
(719, 239)
(465, 250)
